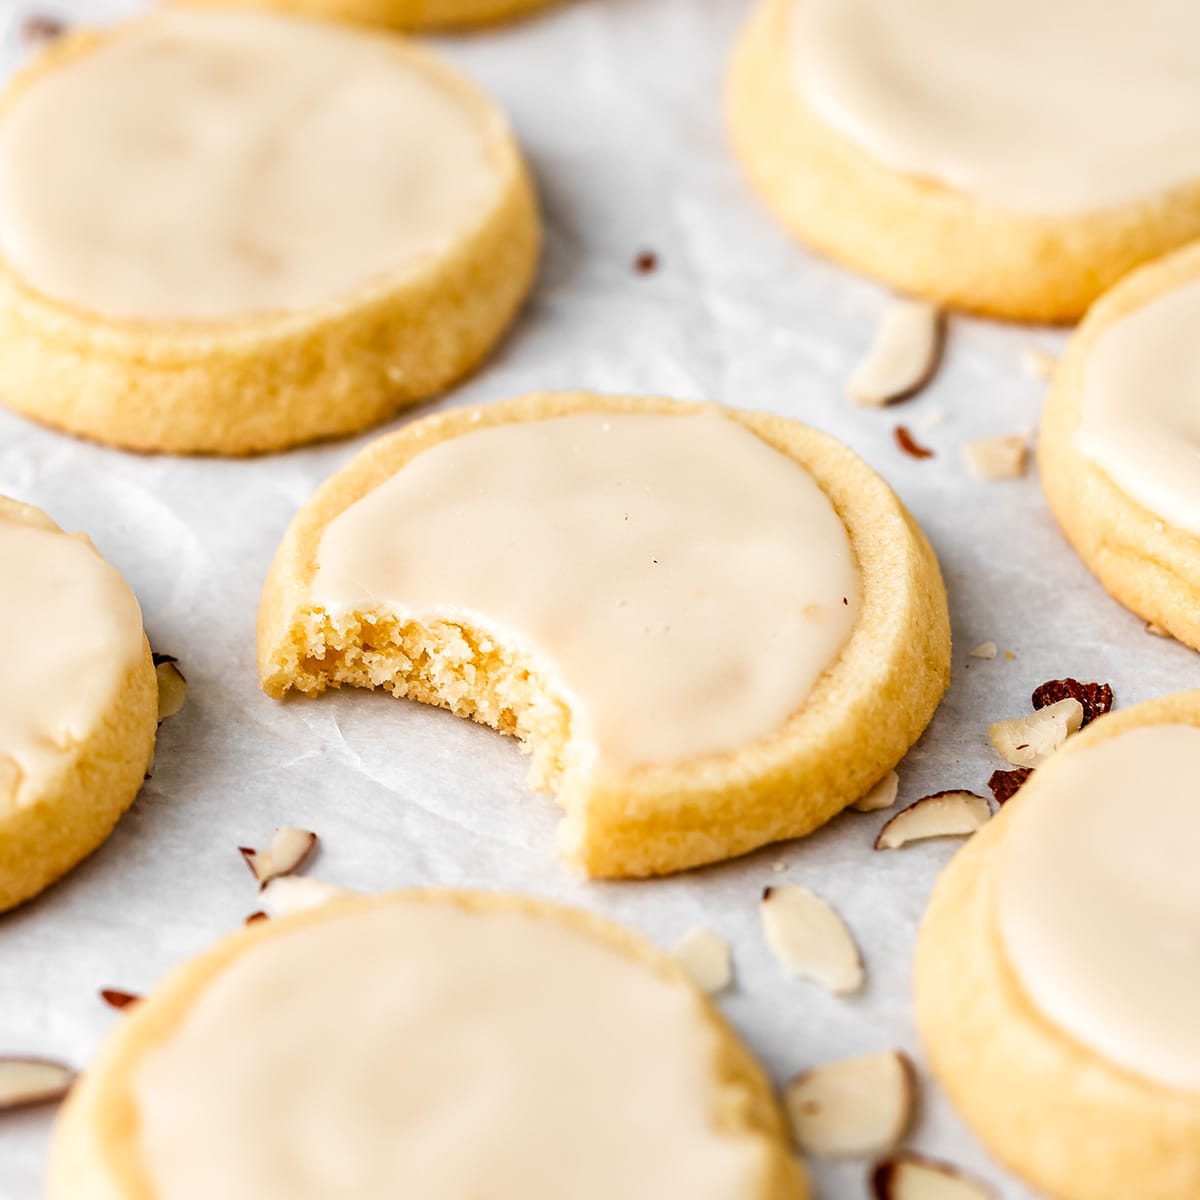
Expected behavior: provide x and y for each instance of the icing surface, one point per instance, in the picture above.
(209, 165)
(1140, 422)
(1098, 900)
(421, 1050)
(1042, 108)
(70, 630)
(686, 583)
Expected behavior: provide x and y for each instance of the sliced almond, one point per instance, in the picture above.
(704, 955)
(118, 999)
(882, 795)
(25, 1082)
(809, 939)
(995, 458)
(985, 650)
(1038, 363)
(944, 814)
(288, 894)
(289, 850)
(910, 1176)
(1027, 741)
(902, 357)
(854, 1108)
(172, 686)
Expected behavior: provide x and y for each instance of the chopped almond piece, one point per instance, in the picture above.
(1096, 698)
(985, 650)
(944, 814)
(994, 458)
(704, 955)
(855, 1108)
(809, 939)
(1027, 741)
(1004, 785)
(882, 795)
(118, 999)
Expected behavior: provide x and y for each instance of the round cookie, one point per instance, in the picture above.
(702, 658)
(975, 155)
(497, 1046)
(1056, 976)
(330, 224)
(1118, 444)
(401, 14)
(79, 702)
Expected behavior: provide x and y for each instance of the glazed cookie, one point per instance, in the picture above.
(329, 224)
(79, 702)
(1119, 449)
(400, 14)
(440, 1044)
(713, 629)
(1004, 156)
(1057, 978)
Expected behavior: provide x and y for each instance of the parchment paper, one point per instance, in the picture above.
(618, 105)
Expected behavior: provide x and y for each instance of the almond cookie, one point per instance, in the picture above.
(329, 224)
(1057, 974)
(1119, 449)
(714, 629)
(429, 1043)
(1003, 156)
(79, 705)
(401, 14)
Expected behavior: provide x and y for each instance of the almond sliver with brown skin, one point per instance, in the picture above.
(1028, 741)
(289, 849)
(944, 814)
(853, 1108)
(25, 1082)
(902, 356)
(809, 939)
(912, 1177)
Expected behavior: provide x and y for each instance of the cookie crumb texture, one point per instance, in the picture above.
(860, 718)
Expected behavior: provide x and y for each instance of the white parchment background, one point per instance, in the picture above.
(617, 103)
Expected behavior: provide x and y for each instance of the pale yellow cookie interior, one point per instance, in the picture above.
(413, 1054)
(1061, 1115)
(859, 718)
(79, 706)
(1143, 559)
(931, 236)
